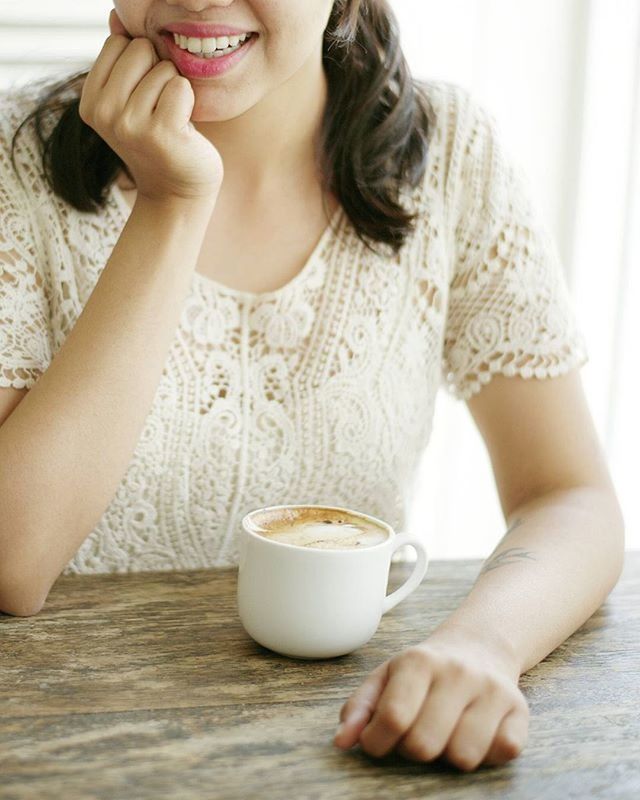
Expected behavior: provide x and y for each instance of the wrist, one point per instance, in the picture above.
(192, 209)
(489, 645)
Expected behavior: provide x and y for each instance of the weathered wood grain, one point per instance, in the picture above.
(128, 687)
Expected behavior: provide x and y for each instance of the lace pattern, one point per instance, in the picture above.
(509, 308)
(25, 315)
(322, 391)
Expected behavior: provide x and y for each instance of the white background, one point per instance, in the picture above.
(562, 79)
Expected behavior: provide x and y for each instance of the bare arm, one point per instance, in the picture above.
(564, 547)
(554, 567)
(456, 692)
(66, 446)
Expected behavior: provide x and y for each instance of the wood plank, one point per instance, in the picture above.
(145, 686)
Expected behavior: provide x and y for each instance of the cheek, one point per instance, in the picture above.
(290, 51)
(133, 16)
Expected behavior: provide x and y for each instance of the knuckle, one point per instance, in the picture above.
(459, 670)
(393, 718)
(123, 128)
(413, 657)
(101, 116)
(430, 653)
(494, 686)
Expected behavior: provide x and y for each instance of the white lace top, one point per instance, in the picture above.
(321, 391)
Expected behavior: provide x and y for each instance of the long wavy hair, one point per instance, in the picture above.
(373, 140)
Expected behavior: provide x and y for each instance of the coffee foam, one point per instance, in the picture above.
(323, 528)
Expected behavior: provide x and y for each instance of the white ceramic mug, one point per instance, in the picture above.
(308, 602)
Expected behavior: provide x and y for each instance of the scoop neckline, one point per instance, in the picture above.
(211, 285)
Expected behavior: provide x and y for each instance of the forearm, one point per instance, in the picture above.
(65, 448)
(560, 558)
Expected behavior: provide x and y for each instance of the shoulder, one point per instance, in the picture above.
(455, 108)
(461, 129)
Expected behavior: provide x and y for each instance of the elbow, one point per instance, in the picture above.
(622, 536)
(25, 578)
(17, 607)
(613, 528)
(19, 603)
(18, 597)
(620, 549)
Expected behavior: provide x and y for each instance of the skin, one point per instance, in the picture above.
(455, 695)
(263, 116)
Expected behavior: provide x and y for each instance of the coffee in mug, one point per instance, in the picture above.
(316, 527)
(312, 579)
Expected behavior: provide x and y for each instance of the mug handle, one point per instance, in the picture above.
(414, 580)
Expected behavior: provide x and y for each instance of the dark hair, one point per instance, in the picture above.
(373, 140)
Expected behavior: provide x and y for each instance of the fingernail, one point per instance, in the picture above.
(340, 729)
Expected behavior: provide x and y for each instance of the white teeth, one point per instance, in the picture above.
(208, 46)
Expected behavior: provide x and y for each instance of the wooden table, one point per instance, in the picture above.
(127, 687)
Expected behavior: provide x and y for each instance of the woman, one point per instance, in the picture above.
(253, 275)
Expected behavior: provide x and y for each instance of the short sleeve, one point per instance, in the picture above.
(25, 335)
(509, 309)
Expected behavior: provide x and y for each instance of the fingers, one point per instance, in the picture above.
(426, 703)
(476, 730)
(357, 711)
(436, 720)
(99, 74)
(510, 738)
(119, 67)
(398, 705)
(146, 96)
(176, 102)
(115, 24)
(132, 66)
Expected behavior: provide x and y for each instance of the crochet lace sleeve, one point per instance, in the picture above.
(509, 308)
(25, 347)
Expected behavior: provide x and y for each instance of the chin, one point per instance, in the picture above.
(206, 112)
(208, 116)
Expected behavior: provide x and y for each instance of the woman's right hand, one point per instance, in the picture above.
(141, 107)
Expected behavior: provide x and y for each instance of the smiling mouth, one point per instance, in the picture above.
(209, 47)
(244, 36)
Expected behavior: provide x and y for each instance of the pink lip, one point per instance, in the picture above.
(192, 66)
(201, 31)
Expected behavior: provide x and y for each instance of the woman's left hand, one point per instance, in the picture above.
(449, 695)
